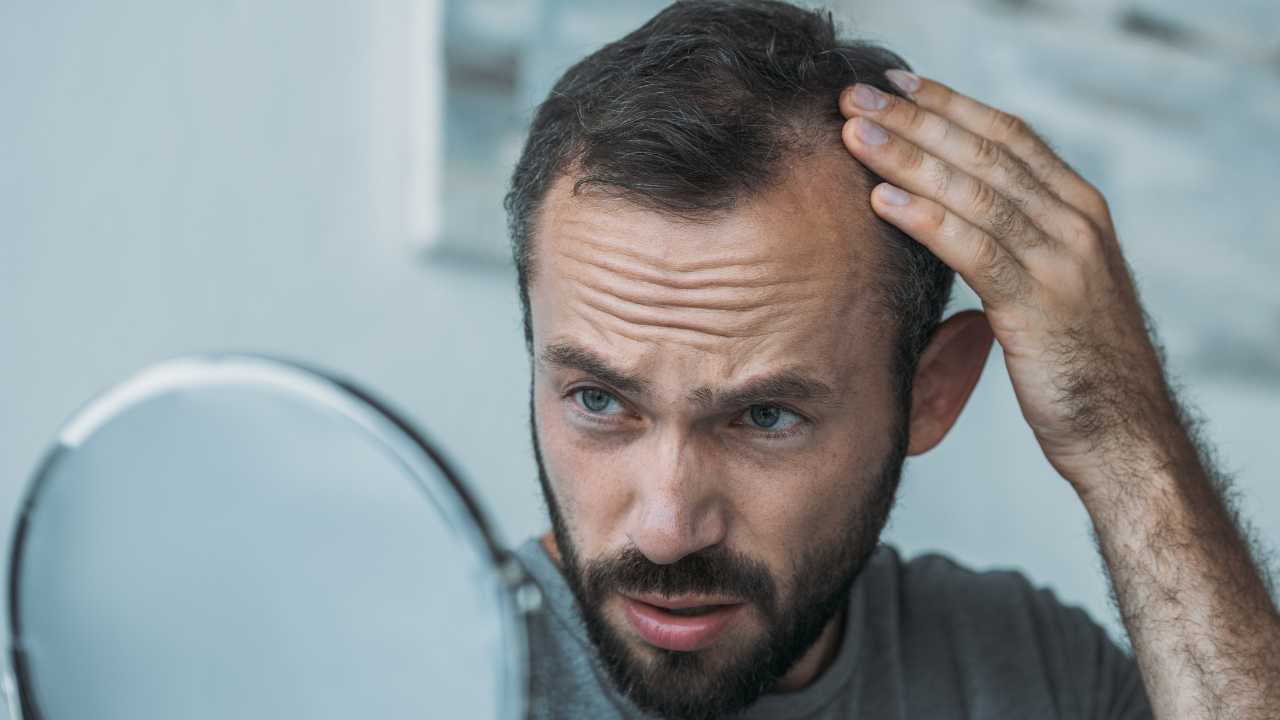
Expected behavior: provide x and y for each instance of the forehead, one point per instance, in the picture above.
(784, 279)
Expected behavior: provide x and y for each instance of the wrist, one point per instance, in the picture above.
(1133, 464)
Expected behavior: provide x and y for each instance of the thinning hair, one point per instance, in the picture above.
(707, 105)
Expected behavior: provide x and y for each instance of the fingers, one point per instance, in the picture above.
(1010, 131)
(985, 264)
(985, 159)
(906, 165)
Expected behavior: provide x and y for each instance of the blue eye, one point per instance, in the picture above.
(594, 399)
(771, 417)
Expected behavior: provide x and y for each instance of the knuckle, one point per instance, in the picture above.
(986, 253)
(1003, 279)
(999, 216)
(987, 153)
(1094, 202)
(1021, 174)
(916, 118)
(893, 104)
(944, 96)
(941, 176)
(912, 157)
(1004, 221)
(1049, 167)
(982, 198)
(1082, 231)
(1007, 125)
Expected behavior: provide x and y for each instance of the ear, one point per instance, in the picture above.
(948, 370)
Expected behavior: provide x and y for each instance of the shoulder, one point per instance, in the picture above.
(936, 589)
(978, 633)
(984, 611)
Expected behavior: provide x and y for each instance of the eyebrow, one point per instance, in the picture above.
(781, 386)
(574, 357)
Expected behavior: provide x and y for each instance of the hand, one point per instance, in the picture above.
(1037, 244)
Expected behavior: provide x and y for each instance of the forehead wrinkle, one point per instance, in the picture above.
(623, 311)
(659, 336)
(702, 329)
(723, 310)
(764, 273)
(718, 298)
(605, 238)
(595, 232)
(758, 269)
(725, 315)
(805, 242)
(598, 326)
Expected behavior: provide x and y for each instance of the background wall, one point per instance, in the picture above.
(274, 177)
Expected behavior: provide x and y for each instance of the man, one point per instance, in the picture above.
(735, 236)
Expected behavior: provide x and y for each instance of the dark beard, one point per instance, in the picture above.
(683, 684)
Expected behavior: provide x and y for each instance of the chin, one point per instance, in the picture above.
(719, 679)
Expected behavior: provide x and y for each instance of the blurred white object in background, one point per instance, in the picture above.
(501, 59)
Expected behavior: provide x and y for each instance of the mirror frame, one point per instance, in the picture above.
(406, 444)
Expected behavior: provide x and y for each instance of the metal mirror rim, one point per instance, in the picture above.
(405, 442)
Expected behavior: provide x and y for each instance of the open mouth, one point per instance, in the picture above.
(691, 611)
(686, 629)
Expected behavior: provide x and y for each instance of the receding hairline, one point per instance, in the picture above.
(844, 170)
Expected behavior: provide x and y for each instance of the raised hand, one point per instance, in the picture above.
(1037, 244)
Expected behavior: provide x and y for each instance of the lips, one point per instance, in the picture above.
(700, 623)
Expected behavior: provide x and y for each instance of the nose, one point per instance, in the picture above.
(680, 505)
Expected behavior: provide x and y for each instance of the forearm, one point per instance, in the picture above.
(1203, 627)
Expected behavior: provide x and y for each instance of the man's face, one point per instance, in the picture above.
(716, 426)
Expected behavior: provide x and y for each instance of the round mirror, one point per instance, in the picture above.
(238, 537)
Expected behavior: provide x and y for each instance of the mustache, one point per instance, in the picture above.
(717, 571)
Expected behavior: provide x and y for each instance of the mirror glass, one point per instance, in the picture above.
(237, 537)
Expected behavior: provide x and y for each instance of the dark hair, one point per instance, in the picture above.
(705, 104)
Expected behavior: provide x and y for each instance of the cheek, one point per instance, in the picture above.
(786, 508)
(588, 482)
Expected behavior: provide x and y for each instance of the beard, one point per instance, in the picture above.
(697, 685)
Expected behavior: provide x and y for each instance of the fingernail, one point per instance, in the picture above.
(903, 80)
(893, 195)
(868, 98)
(871, 133)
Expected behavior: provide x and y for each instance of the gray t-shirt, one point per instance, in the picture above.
(923, 639)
